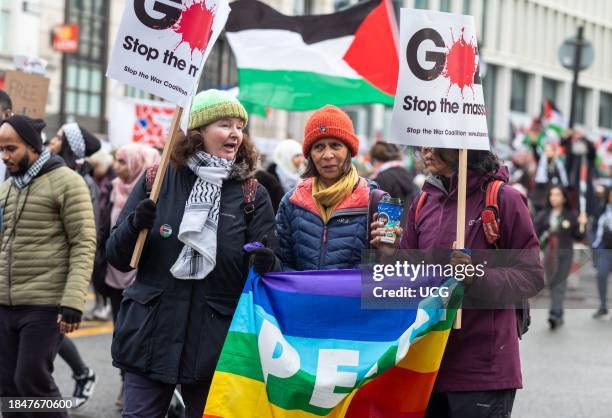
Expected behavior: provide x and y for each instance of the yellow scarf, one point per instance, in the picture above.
(328, 198)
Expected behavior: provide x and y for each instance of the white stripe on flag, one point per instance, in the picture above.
(274, 49)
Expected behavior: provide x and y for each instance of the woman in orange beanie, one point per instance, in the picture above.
(323, 222)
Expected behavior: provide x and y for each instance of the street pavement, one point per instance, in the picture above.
(567, 373)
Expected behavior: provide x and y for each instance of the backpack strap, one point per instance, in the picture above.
(419, 206)
(490, 214)
(249, 190)
(150, 174)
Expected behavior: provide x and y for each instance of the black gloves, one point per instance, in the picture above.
(144, 215)
(70, 316)
(264, 260)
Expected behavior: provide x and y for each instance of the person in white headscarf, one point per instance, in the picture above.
(288, 164)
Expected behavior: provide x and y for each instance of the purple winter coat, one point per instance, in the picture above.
(484, 353)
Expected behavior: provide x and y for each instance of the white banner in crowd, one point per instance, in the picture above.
(161, 47)
(439, 100)
(138, 120)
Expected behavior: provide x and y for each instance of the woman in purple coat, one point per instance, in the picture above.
(480, 370)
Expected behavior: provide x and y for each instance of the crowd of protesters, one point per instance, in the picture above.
(310, 209)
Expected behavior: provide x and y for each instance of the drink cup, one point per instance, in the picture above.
(390, 212)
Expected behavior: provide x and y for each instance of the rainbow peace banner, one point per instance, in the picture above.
(301, 346)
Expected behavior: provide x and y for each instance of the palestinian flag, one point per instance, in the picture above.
(552, 126)
(305, 62)
(553, 119)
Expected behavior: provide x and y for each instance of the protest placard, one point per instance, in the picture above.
(28, 93)
(138, 120)
(162, 51)
(439, 100)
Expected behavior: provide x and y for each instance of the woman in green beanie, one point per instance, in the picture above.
(174, 318)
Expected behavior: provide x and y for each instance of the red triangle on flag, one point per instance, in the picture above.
(373, 52)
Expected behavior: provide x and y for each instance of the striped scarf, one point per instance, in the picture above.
(198, 230)
(25, 179)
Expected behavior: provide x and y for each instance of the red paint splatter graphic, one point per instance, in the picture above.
(195, 25)
(152, 124)
(461, 63)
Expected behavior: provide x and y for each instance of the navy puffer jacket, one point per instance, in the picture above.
(306, 243)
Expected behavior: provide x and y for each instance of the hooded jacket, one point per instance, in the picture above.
(48, 260)
(484, 353)
(306, 243)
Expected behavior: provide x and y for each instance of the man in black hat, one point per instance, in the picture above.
(73, 143)
(47, 248)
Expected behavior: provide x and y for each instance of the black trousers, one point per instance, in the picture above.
(29, 341)
(146, 398)
(115, 296)
(484, 404)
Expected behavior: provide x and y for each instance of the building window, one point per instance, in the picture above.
(84, 70)
(397, 5)
(579, 115)
(220, 71)
(518, 100)
(445, 5)
(84, 87)
(302, 7)
(549, 90)
(5, 15)
(342, 4)
(467, 7)
(421, 4)
(130, 91)
(605, 110)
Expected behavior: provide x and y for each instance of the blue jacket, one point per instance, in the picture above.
(306, 243)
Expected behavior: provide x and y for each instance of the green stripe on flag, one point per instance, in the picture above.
(302, 90)
(240, 356)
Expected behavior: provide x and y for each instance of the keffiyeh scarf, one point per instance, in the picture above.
(198, 230)
(25, 179)
(75, 139)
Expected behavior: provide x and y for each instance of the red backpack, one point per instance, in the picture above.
(491, 227)
(489, 215)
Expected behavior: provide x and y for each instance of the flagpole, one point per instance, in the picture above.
(159, 179)
(461, 201)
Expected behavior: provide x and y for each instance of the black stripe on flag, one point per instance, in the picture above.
(252, 14)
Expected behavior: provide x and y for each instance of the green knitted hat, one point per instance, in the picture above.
(211, 105)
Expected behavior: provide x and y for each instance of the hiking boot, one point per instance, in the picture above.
(600, 312)
(84, 387)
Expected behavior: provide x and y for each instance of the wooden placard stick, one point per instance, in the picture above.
(159, 179)
(461, 198)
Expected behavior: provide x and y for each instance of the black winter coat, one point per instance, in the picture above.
(397, 181)
(172, 330)
(568, 232)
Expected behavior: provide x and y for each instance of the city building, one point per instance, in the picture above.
(518, 40)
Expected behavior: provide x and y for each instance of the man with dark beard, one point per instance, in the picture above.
(47, 246)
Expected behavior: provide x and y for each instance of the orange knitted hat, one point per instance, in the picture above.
(330, 122)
